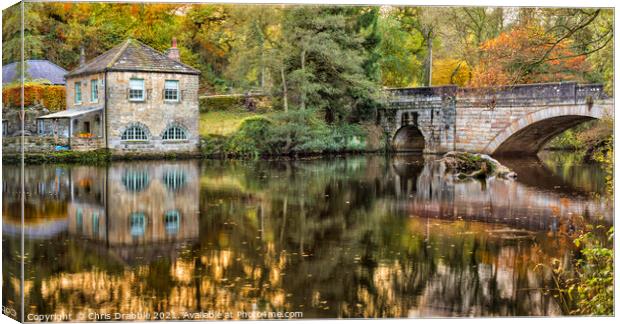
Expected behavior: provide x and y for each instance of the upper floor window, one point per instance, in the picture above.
(78, 93)
(5, 127)
(171, 90)
(94, 90)
(171, 221)
(136, 89)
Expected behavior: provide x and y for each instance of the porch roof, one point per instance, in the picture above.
(70, 113)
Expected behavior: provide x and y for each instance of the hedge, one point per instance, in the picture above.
(232, 102)
(217, 103)
(50, 96)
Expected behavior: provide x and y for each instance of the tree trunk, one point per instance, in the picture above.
(429, 60)
(303, 86)
(284, 88)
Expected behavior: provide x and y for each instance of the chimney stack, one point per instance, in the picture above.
(173, 52)
(82, 56)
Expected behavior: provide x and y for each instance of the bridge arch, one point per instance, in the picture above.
(529, 134)
(409, 138)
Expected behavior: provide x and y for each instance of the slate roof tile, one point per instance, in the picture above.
(132, 55)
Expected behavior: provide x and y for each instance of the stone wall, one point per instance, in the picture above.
(87, 101)
(13, 120)
(32, 144)
(154, 114)
(86, 144)
(431, 110)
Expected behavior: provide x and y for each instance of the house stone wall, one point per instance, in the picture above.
(86, 97)
(153, 113)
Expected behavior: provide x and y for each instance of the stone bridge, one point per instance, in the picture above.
(517, 119)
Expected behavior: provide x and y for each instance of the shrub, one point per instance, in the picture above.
(252, 138)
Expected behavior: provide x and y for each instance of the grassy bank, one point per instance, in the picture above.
(287, 134)
(222, 123)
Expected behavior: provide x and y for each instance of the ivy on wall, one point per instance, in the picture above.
(50, 96)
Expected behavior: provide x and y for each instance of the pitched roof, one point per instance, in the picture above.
(37, 69)
(132, 55)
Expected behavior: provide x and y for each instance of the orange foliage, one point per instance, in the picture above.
(518, 56)
(50, 96)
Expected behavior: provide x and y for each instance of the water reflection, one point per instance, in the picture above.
(355, 237)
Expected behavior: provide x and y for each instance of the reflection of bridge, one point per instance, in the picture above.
(424, 190)
(515, 119)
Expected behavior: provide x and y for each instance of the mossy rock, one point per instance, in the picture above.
(473, 165)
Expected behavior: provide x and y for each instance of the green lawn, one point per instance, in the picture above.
(222, 122)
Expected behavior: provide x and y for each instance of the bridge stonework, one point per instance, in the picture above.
(518, 119)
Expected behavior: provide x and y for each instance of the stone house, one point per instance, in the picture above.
(131, 98)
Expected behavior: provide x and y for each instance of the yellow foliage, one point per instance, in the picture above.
(450, 71)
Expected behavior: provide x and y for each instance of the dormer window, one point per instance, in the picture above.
(94, 91)
(78, 93)
(171, 90)
(136, 90)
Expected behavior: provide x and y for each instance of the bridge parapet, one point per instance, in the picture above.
(515, 95)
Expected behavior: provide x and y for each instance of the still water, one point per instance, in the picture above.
(329, 238)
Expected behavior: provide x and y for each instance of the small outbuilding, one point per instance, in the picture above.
(42, 70)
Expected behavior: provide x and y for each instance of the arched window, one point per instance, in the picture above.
(174, 133)
(174, 179)
(134, 133)
(137, 224)
(135, 180)
(171, 221)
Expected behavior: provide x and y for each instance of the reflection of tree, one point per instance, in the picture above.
(329, 238)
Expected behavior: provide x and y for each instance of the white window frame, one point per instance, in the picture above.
(177, 88)
(133, 134)
(175, 131)
(77, 92)
(133, 87)
(94, 90)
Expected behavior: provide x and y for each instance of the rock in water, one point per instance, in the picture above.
(473, 165)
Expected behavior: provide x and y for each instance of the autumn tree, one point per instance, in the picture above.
(527, 54)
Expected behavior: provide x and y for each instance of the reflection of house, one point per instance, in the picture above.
(132, 204)
(130, 98)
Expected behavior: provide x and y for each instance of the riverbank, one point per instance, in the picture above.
(96, 157)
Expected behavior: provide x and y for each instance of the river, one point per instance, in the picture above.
(364, 236)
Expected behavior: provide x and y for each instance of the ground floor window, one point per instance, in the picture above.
(5, 128)
(134, 133)
(135, 180)
(174, 133)
(174, 179)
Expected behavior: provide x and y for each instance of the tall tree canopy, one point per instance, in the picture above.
(331, 58)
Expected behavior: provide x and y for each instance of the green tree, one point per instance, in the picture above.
(326, 61)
